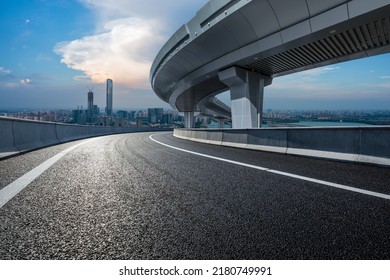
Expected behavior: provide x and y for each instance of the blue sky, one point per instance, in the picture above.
(54, 51)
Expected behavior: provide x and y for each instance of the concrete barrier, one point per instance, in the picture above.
(30, 134)
(69, 132)
(375, 145)
(17, 136)
(235, 138)
(356, 144)
(7, 143)
(272, 140)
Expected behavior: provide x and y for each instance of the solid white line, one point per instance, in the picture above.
(308, 179)
(8, 192)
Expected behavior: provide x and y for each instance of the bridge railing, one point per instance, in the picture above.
(356, 144)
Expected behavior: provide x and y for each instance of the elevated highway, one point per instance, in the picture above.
(241, 45)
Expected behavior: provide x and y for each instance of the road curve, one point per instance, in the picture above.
(129, 197)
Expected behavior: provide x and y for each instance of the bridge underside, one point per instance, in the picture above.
(265, 38)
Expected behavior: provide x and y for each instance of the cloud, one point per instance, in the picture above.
(4, 70)
(384, 85)
(122, 53)
(151, 9)
(305, 81)
(8, 80)
(314, 74)
(128, 36)
(320, 71)
(25, 81)
(82, 78)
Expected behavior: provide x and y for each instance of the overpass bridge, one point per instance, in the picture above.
(241, 45)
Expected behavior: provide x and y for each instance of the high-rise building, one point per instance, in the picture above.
(155, 115)
(109, 92)
(90, 112)
(79, 116)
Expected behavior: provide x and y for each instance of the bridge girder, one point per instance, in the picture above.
(269, 37)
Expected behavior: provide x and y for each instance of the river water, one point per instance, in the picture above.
(314, 123)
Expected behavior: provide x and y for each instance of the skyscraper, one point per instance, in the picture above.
(90, 100)
(90, 112)
(109, 97)
(155, 115)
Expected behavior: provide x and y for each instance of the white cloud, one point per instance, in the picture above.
(128, 36)
(312, 73)
(385, 77)
(82, 78)
(25, 81)
(106, 10)
(122, 53)
(384, 85)
(4, 70)
(305, 80)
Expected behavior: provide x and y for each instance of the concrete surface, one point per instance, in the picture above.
(358, 144)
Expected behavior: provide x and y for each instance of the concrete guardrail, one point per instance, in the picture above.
(18, 136)
(369, 144)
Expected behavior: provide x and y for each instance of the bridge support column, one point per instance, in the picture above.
(188, 119)
(246, 93)
(221, 122)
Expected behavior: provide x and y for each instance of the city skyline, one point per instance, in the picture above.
(54, 52)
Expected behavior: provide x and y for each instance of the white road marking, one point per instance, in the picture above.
(308, 179)
(8, 192)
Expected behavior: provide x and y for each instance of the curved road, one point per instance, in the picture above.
(129, 197)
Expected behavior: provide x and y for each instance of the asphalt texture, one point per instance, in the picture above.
(127, 197)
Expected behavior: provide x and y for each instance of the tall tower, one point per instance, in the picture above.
(109, 97)
(90, 106)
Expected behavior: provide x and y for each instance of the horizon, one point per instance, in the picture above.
(266, 110)
(54, 52)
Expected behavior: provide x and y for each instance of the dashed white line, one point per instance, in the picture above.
(304, 178)
(11, 190)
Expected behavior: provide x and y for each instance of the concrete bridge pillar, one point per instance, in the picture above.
(246, 94)
(188, 119)
(221, 122)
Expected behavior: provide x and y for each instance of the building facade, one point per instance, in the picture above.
(155, 115)
(90, 112)
(109, 97)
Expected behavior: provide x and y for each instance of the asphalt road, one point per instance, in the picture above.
(128, 197)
